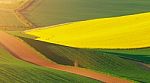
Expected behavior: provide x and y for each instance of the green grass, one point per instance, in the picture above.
(140, 55)
(13, 70)
(50, 12)
(96, 60)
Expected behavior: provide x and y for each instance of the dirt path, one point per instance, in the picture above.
(24, 52)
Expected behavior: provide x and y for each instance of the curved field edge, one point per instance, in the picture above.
(26, 51)
(131, 31)
(99, 62)
(18, 71)
(77, 10)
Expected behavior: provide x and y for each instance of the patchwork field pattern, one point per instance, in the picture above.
(74, 41)
(115, 62)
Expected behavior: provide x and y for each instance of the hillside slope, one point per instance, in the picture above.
(51, 12)
(94, 59)
(24, 52)
(13, 70)
(118, 32)
(130, 64)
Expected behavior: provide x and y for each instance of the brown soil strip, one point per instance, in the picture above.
(24, 52)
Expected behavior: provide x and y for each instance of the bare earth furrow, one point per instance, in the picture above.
(24, 52)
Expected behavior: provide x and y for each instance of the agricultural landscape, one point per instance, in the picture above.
(74, 41)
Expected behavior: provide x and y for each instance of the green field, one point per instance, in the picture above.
(140, 55)
(13, 70)
(51, 12)
(94, 59)
(131, 64)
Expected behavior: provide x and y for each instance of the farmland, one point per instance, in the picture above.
(117, 32)
(18, 71)
(26, 51)
(130, 63)
(97, 60)
(36, 13)
(53, 12)
(74, 41)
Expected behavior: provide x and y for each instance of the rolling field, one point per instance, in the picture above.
(28, 54)
(112, 33)
(94, 59)
(52, 12)
(37, 14)
(124, 32)
(99, 60)
(74, 41)
(13, 70)
(141, 54)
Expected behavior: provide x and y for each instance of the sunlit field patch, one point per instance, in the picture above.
(10, 16)
(10, 4)
(10, 21)
(118, 32)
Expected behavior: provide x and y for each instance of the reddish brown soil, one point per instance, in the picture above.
(24, 52)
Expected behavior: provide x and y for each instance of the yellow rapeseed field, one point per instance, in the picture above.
(132, 31)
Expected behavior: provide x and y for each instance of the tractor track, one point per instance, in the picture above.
(23, 51)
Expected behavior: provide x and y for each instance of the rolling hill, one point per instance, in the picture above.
(130, 31)
(13, 70)
(75, 41)
(52, 12)
(34, 13)
(130, 63)
(122, 37)
(28, 54)
(95, 59)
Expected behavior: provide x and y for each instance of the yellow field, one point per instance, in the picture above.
(132, 31)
